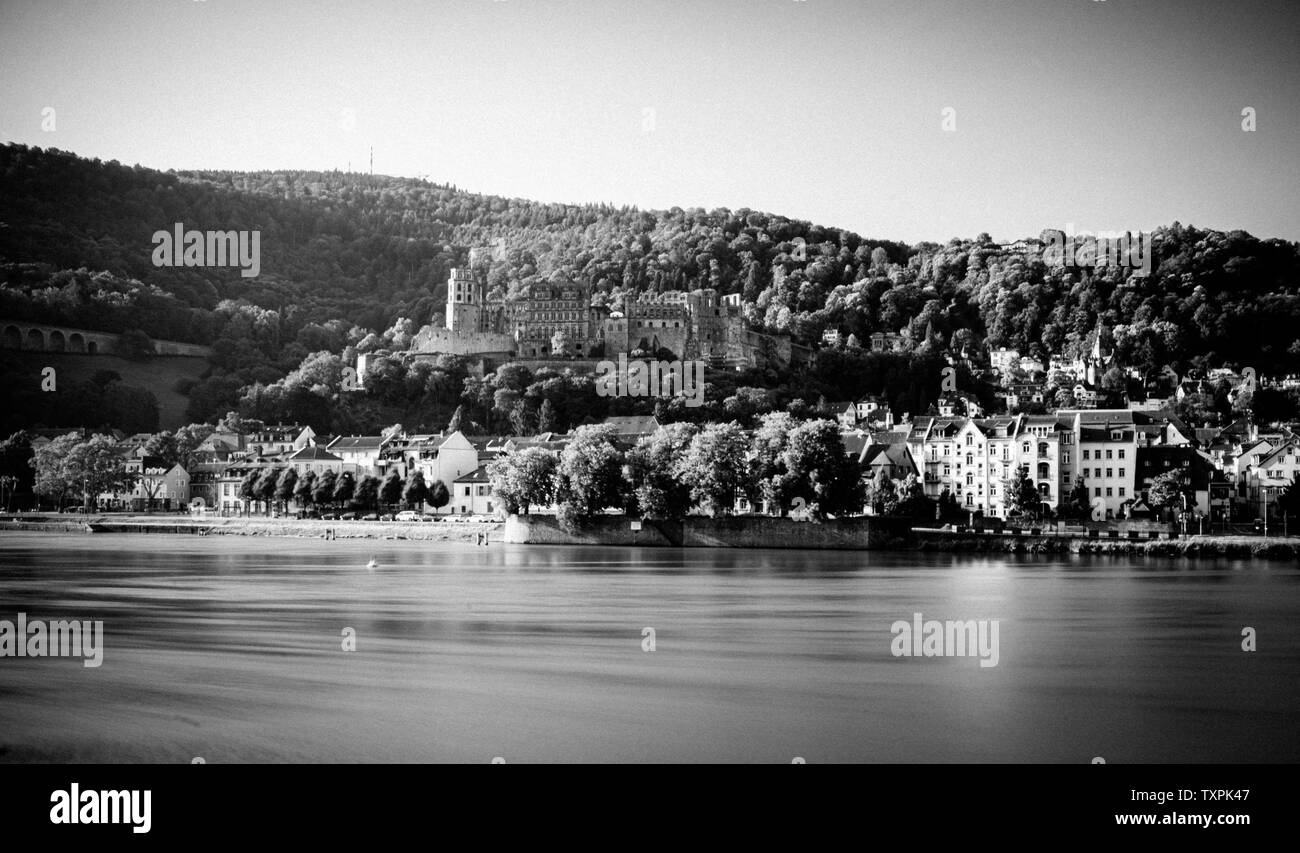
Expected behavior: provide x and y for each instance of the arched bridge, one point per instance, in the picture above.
(36, 337)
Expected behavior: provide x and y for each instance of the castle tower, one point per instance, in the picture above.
(464, 300)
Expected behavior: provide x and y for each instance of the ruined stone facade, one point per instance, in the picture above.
(698, 324)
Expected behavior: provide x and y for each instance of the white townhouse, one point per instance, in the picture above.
(1107, 459)
(447, 460)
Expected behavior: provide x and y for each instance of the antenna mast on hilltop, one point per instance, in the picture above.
(372, 159)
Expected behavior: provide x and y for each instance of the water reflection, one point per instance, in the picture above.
(232, 649)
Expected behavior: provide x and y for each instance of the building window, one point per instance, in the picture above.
(1121, 491)
(1108, 492)
(467, 491)
(1121, 472)
(1121, 453)
(1096, 493)
(1108, 454)
(1110, 472)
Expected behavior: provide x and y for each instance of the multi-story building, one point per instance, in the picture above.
(1272, 475)
(974, 458)
(553, 308)
(1107, 458)
(1003, 360)
(1193, 469)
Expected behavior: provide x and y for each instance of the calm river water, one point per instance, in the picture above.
(231, 649)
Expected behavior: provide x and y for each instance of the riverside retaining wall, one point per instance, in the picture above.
(736, 532)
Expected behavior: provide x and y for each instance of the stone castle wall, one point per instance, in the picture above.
(433, 339)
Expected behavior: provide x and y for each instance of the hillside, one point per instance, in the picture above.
(344, 255)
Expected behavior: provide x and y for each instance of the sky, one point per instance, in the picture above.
(911, 120)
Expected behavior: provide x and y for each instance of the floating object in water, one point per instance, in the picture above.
(372, 564)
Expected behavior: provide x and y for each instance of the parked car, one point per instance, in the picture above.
(408, 515)
(388, 516)
(348, 516)
(330, 516)
(370, 516)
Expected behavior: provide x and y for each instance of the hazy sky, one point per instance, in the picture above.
(1107, 114)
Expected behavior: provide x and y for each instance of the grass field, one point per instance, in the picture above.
(159, 375)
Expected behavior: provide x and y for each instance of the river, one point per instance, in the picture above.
(231, 649)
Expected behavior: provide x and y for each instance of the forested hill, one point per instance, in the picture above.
(343, 253)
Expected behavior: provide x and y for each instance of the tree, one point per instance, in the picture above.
(16, 465)
(367, 491)
(1114, 381)
(514, 376)
(589, 477)
(93, 466)
(1165, 491)
(51, 475)
(882, 494)
(521, 418)
(344, 488)
(1289, 501)
(820, 470)
(286, 486)
(912, 501)
(504, 400)
(151, 483)
(416, 492)
(248, 488)
(716, 468)
(135, 345)
(304, 489)
(651, 467)
(525, 479)
(265, 488)
(324, 491)
(772, 480)
(455, 423)
(1077, 504)
(561, 343)
(948, 506)
(188, 439)
(546, 420)
(1022, 496)
(390, 492)
(165, 446)
(439, 495)
(1196, 409)
(1269, 405)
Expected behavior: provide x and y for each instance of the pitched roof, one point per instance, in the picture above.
(478, 475)
(358, 443)
(889, 454)
(1276, 454)
(315, 452)
(854, 442)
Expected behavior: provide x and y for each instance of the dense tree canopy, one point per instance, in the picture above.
(357, 263)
